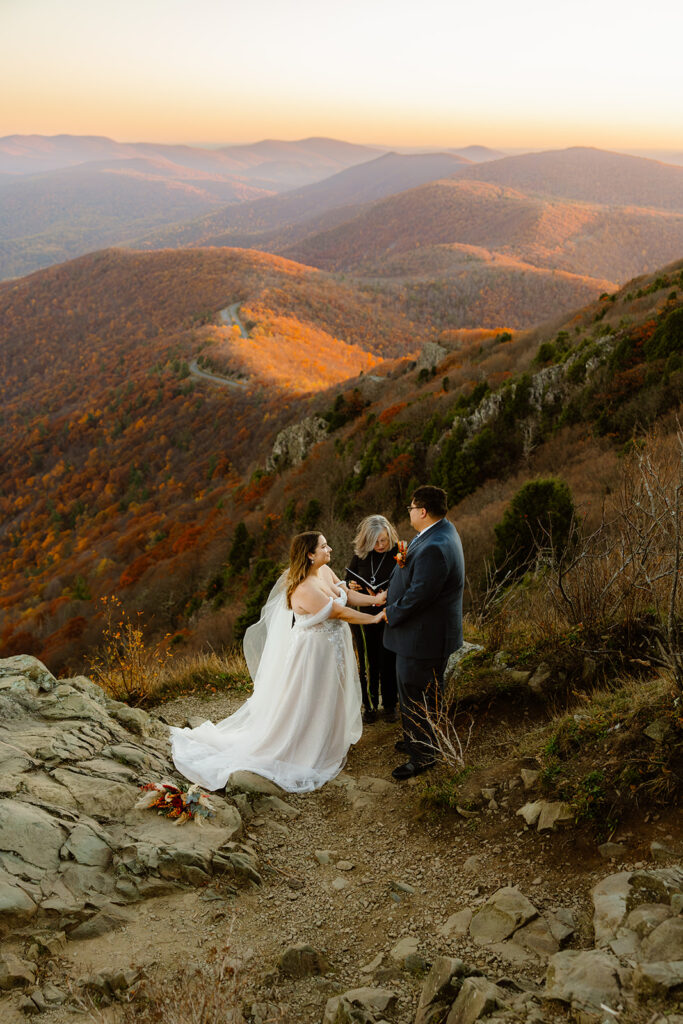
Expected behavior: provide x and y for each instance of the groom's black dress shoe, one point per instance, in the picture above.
(403, 746)
(410, 769)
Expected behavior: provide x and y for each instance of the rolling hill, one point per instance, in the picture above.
(111, 452)
(120, 474)
(51, 217)
(301, 162)
(506, 241)
(470, 253)
(478, 154)
(589, 175)
(66, 195)
(257, 223)
(586, 239)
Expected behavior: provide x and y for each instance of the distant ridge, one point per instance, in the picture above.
(589, 175)
(363, 183)
(299, 162)
(479, 154)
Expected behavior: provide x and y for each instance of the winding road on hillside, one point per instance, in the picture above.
(229, 318)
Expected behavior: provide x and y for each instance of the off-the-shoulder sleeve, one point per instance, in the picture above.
(313, 620)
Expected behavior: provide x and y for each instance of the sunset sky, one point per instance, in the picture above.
(433, 73)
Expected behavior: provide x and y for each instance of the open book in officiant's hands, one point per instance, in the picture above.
(369, 588)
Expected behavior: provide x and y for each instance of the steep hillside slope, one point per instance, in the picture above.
(113, 456)
(121, 474)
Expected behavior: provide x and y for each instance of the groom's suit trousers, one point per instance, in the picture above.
(424, 625)
(420, 682)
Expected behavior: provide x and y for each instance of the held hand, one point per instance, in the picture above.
(380, 598)
(380, 617)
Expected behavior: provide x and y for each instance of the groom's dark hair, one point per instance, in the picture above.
(432, 499)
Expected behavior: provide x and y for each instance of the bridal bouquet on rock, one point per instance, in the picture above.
(184, 803)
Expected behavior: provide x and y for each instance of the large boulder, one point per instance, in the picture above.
(292, 444)
(617, 896)
(24, 672)
(477, 998)
(440, 989)
(665, 942)
(360, 1006)
(502, 914)
(72, 841)
(586, 979)
(659, 979)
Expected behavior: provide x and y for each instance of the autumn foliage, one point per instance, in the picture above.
(122, 473)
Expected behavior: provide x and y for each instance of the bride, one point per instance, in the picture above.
(305, 710)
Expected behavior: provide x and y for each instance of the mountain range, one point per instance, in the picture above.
(123, 471)
(273, 163)
(66, 195)
(509, 240)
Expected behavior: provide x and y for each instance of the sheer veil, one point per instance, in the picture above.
(303, 715)
(265, 643)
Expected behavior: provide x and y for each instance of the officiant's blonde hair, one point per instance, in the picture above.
(369, 531)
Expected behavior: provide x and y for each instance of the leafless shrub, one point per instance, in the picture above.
(441, 716)
(491, 605)
(630, 564)
(216, 994)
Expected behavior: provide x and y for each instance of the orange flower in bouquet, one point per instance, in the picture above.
(400, 556)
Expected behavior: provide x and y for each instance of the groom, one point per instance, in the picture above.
(424, 622)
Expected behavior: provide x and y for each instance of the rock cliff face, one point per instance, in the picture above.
(547, 388)
(292, 445)
(430, 356)
(74, 850)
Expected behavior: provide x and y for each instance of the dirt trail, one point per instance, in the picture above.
(409, 872)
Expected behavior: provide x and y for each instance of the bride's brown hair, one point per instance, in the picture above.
(303, 545)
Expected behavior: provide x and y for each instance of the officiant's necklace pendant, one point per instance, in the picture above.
(374, 573)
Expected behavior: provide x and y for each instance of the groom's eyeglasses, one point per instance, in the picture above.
(410, 508)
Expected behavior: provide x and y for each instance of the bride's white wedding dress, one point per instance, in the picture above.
(303, 715)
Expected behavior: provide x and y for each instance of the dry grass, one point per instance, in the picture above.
(204, 672)
(218, 994)
(131, 670)
(629, 696)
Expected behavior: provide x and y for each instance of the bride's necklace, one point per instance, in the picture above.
(375, 572)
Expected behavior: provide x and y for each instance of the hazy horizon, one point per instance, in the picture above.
(439, 78)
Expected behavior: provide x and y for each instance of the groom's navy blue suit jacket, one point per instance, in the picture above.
(424, 603)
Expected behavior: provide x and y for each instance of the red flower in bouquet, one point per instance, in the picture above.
(184, 803)
(400, 556)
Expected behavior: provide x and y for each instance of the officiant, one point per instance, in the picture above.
(368, 572)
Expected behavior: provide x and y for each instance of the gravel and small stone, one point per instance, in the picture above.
(348, 904)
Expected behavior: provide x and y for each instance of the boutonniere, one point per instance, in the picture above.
(400, 556)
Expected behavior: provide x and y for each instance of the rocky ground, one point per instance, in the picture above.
(350, 904)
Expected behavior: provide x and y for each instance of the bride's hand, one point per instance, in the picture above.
(380, 617)
(380, 598)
